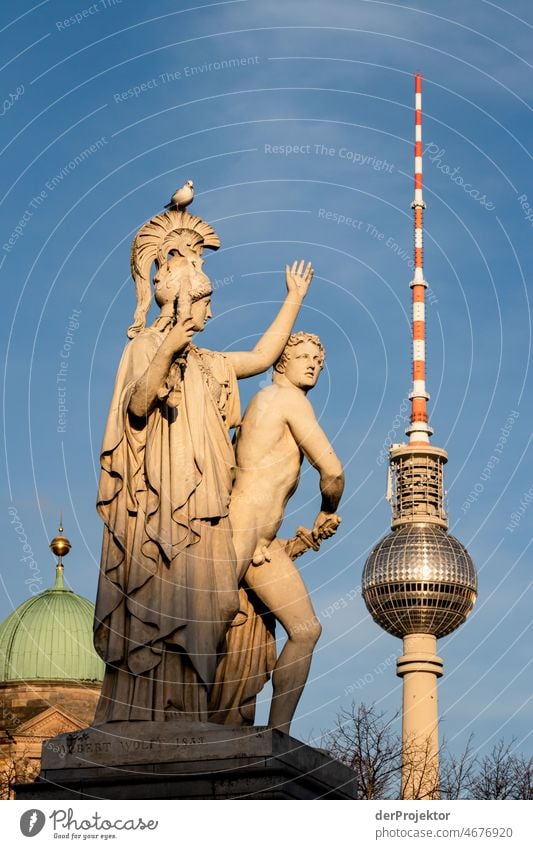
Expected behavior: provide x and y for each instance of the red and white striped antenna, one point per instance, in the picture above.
(419, 430)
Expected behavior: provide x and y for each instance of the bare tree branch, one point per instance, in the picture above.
(365, 740)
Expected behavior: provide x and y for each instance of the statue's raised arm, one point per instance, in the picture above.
(272, 342)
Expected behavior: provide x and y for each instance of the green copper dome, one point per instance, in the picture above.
(50, 637)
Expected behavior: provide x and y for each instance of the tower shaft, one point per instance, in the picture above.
(419, 667)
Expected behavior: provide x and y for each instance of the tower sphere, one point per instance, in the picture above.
(419, 580)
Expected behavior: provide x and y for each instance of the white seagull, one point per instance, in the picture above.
(182, 197)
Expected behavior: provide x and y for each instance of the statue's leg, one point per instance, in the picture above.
(280, 587)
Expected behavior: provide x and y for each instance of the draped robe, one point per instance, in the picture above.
(167, 589)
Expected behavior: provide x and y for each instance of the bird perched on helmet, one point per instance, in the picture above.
(181, 197)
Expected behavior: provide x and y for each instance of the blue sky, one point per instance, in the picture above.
(312, 115)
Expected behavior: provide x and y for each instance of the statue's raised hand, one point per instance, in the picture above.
(298, 278)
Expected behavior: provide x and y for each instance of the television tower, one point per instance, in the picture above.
(419, 582)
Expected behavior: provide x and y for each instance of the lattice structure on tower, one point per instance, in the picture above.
(417, 485)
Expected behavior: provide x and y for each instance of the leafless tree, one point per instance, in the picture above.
(502, 774)
(16, 770)
(364, 740)
(457, 771)
(419, 771)
(524, 778)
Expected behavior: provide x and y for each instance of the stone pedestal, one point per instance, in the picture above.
(178, 760)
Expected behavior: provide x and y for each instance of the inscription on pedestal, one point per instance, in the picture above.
(128, 743)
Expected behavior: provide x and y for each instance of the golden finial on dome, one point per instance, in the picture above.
(60, 545)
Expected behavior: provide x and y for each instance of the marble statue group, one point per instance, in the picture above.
(193, 575)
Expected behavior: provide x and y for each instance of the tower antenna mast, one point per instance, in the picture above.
(419, 431)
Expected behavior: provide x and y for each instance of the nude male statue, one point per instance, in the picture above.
(279, 429)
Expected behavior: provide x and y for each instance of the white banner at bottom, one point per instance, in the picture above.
(361, 824)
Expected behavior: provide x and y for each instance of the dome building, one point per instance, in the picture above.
(50, 674)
